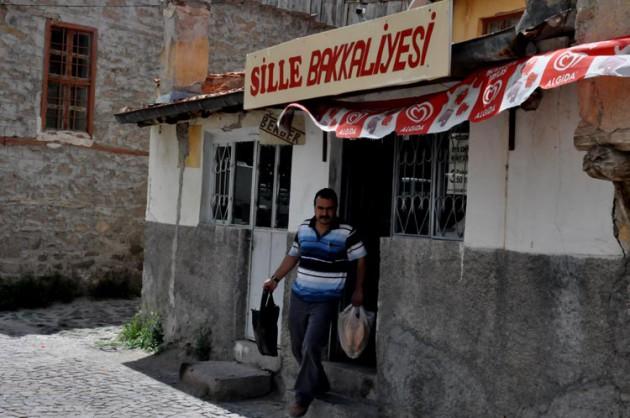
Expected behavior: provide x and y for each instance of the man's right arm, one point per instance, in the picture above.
(285, 267)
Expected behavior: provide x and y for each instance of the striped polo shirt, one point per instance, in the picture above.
(324, 260)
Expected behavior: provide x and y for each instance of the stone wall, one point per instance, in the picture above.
(208, 293)
(495, 333)
(75, 205)
(240, 27)
(604, 131)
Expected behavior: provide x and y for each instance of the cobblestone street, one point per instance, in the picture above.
(57, 362)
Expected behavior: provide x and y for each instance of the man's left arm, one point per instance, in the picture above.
(356, 251)
(357, 295)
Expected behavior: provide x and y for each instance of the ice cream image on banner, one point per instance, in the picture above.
(461, 100)
(616, 65)
(373, 122)
(523, 82)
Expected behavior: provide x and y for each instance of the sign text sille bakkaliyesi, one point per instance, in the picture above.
(406, 48)
(397, 49)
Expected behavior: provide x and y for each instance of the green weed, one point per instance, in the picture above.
(203, 347)
(143, 331)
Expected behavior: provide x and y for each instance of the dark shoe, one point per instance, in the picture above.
(297, 410)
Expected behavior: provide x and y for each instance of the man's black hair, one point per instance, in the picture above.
(326, 193)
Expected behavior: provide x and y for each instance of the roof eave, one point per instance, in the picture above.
(183, 110)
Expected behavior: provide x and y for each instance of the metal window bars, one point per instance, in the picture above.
(430, 184)
(221, 200)
(244, 172)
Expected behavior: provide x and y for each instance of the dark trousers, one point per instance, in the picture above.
(309, 326)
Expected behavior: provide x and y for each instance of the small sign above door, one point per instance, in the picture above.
(271, 134)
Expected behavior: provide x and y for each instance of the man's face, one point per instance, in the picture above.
(325, 210)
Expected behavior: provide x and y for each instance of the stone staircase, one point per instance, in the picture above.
(334, 405)
(224, 380)
(353, 392)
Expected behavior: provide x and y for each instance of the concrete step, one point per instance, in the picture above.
(333, 405)
(224, 380)
(246, 352)
(350, 380)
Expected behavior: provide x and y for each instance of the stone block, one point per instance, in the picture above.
(246, 352)
(351, 380)
(337, 406)
(224, 380)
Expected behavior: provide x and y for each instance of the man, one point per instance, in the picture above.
(324, 249)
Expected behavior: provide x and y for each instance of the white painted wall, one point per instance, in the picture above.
(486, 193)
(544, 203)
(163, 182)
(308, 174)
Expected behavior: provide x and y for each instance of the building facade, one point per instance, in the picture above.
(73, 191)
(496, 263)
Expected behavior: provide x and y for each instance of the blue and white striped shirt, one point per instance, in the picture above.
(324, 260)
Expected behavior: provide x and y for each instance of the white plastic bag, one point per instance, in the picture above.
(353, 326)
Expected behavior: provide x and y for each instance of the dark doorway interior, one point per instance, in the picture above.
(365, 203)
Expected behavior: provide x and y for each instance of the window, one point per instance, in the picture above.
(500, 22)
(222, 169)
(240, 179)
(274, 183)
(69, 73)
(430, 190)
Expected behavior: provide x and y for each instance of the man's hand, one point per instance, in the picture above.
(270, 285)
(357, 297)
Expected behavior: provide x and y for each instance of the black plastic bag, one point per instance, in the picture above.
(265, 323)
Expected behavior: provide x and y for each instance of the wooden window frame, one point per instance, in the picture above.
(68, 80)
(485, 21)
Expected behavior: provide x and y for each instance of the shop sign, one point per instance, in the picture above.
(393, 50)
(273, 134)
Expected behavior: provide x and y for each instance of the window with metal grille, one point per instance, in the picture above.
(240, 179)
(221, 197)
(69, 73)
(430, 190)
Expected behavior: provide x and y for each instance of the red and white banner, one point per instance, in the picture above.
(479, 97)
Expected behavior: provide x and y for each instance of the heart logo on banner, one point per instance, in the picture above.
(492, 91)
(420, 112)
(354, 117)
(566, 60)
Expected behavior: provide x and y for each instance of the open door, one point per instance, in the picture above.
(365, 203)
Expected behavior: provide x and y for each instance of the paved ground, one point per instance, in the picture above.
(57, 362)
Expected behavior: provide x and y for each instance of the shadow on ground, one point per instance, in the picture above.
(79, 314)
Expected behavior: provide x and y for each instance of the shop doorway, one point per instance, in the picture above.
(271, 217)
(365, 203)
